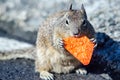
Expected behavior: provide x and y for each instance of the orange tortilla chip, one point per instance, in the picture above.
(81, 48)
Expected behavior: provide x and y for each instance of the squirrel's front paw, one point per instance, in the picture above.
(59, 43)
(81, 71)
(46, 75)
(94, 41)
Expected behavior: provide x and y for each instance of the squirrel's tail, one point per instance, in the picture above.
(24, 53)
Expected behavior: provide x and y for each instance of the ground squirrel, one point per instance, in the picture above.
(51, 56)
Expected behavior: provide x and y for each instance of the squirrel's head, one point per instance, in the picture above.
(75, 21)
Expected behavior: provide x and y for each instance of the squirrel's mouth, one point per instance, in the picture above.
(77, 35)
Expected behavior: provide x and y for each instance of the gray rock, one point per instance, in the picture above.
(8, 44)
(106, 76)
(23, 69)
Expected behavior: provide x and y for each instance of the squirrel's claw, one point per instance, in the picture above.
(46, 75)
(94, 41)
(81, 71)
(60, 43)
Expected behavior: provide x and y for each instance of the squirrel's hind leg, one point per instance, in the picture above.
(43, 65)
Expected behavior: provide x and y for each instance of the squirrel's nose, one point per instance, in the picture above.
(76, 33)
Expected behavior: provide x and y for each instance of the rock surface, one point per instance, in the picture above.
(22, 69)
(19, 22)
(12, 44)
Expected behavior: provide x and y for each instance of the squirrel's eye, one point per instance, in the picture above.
(84, 23)
(67, 22)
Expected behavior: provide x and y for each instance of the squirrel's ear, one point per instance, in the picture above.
(83, 11)
(70, 7)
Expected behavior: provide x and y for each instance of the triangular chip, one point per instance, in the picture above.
(81, 48)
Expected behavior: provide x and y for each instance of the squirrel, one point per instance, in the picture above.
(50, 54)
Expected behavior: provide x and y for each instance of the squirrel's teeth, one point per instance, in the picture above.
(77, 36)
